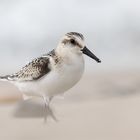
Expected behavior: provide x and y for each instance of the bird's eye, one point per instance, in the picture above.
(72, 41)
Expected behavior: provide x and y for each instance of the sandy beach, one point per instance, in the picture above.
(105, 104)
(103, 109)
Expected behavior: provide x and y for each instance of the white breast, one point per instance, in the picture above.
(60, 79)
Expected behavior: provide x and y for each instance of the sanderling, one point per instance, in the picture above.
(55, 72)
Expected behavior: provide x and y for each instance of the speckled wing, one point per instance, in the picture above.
(32, 71)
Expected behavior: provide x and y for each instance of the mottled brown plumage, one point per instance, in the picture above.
(34, 70)
(72, 34)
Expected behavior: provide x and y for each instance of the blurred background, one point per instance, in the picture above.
(104, 105)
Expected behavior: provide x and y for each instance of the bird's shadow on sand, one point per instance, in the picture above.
(31, 109)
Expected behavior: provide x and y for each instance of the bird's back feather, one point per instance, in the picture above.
(34, 70)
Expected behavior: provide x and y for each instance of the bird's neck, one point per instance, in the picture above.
(68, 56)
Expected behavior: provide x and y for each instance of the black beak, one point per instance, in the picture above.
(86, 51)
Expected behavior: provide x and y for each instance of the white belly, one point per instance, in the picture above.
(56, 82)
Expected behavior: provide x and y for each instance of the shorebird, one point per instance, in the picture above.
(55, 72)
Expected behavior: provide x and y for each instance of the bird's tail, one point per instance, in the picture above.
(4, 78)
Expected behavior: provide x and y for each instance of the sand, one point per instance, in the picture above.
(100, 107)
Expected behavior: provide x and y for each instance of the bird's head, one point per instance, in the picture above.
(73, 42)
